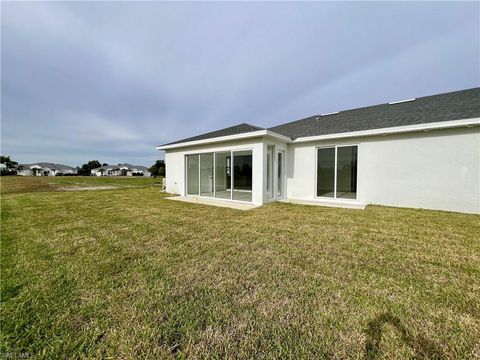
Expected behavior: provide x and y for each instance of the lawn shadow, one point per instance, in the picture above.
(423, 347)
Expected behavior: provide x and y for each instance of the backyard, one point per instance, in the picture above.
(121, 272)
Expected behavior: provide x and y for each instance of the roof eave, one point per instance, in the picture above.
(393, 130)
(247, 135)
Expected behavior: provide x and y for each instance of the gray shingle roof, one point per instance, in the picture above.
(129, 166)
(464, 104)
(51, 166)
(232, 130)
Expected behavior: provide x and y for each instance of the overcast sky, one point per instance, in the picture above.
(109, 81)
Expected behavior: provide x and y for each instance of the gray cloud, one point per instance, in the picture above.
(109, 81)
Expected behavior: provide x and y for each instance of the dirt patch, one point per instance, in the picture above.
(84, 188)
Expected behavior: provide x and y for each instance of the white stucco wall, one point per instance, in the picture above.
(438, 170)
(175, 164)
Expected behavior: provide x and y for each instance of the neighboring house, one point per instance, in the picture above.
(44, 169)
(120, 170)
(420, 153)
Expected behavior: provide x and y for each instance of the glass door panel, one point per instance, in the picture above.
(242, 175)
(347, 172)
(280, 170)
(270, 171)
(206, 174)
(326, 172)
(223, 178)
(192, 174)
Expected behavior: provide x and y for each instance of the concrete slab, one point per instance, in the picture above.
(337, 204)
(214, 202)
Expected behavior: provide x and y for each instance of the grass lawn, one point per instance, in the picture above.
(17, 184)
(125, 273)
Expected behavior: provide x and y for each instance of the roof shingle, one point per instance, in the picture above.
(232, 130)
(463, 104)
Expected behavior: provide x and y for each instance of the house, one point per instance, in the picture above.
(121, 170)
(44, 169)
(419, 153)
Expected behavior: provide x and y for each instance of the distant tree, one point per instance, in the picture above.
(86, 168)
(158, 169)
(9, 165)
(104, 164)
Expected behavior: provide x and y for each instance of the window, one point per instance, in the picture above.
(337, 172)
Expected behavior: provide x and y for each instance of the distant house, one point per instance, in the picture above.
(44, 169)
(121, 170)
(421, 153)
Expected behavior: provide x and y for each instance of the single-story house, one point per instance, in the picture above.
(419, 153)
(44, 169)
(120, 170)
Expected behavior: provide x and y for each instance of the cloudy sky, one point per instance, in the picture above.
(109, 81)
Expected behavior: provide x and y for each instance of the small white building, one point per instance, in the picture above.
(419, 153)
(121, 170)
(44, 169)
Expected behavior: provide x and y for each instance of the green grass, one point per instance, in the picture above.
(125, 273)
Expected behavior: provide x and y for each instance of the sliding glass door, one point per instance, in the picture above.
(193, 176)
(347, 172)
(326, 172)
(280, 170)
(206, 175)
(270, 151)
(337, 172)
(224, 175)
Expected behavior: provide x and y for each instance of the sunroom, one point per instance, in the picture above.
(223, 175)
